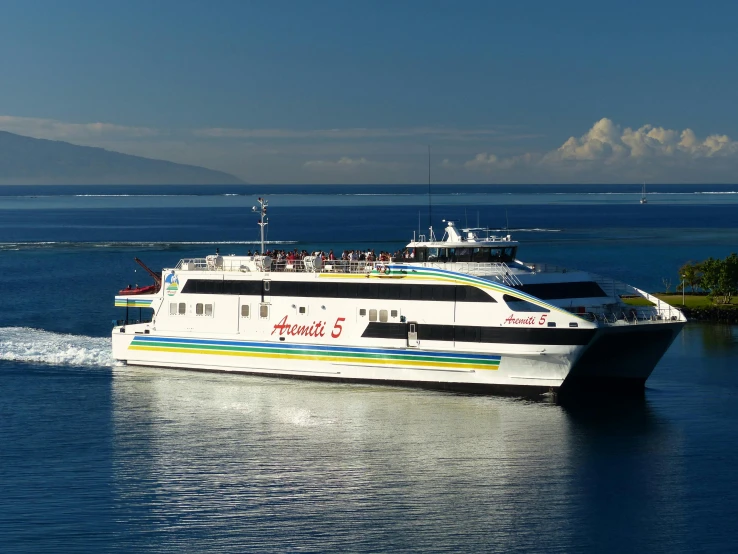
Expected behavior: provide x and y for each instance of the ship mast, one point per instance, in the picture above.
(263, 221)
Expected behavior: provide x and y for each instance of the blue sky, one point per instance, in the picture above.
(353, 92)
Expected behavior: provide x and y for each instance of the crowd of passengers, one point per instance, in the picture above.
(284, 260)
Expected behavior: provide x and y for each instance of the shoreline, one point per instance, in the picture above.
(711, 314)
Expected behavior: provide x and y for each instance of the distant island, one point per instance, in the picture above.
(30, 161)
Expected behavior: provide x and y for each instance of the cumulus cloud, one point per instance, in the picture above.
(608, 152)
(607, 142)
(59, 130)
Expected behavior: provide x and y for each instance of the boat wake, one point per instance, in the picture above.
(23, 344)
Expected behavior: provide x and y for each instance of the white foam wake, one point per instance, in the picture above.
(24, 344)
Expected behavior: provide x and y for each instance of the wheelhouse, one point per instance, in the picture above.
(481, 254)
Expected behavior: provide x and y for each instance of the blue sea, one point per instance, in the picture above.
(96, 457)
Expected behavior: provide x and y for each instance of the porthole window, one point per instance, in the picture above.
(264, 311)
(383, 316)
(393, 313)
(182, 308)
(362, 312)
(245, 310)
(372, 315)
(209, 310)
(198, 309)
(172, 308)
(302, 310)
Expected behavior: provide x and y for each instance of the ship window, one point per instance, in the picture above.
(552, 324)
(245, 310)
(383, 316)
(209, 310)
(264, 311)
(198, 309)
(573, 324)
(432, 254)
(182, 308)
(480, 255)
(372, 315)
(393, 313)
(519, 305)
(463, 254)
(267, 286)
(362, 312)
(172, 308)
(303, 310)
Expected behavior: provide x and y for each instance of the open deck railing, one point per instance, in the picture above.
(311, 264)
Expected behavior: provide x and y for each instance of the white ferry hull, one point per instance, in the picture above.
(453, 370)
(606, 362)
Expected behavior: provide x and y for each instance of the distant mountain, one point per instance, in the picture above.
(29, 161)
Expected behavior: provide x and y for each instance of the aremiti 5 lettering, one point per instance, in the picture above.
(315, 329)
(531, 320)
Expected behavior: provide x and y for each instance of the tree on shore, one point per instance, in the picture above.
(691, 274)
(720, 278)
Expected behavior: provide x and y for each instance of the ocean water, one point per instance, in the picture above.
(99, 457)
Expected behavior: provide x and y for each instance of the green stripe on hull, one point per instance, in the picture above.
(441, 361)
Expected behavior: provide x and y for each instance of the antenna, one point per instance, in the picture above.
(263, 221)
(430, 224)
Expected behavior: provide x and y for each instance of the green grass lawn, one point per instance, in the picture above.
(690, 301)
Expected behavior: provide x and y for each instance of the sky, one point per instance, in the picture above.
(348, 92)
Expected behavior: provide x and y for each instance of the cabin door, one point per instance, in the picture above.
(412, 334)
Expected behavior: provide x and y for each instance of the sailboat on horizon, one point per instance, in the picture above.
(644, 200)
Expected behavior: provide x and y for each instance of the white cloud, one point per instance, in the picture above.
(485, 162)
(609, 153)
(348, 164)
(608, 143)
(59, 130)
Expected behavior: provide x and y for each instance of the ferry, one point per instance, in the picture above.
(459, 313)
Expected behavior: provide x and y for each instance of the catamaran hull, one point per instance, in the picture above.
(622, 358)
(625, 356)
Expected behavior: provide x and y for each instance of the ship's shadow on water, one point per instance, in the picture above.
(607, 412)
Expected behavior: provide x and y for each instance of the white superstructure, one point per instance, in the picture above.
(460, 313)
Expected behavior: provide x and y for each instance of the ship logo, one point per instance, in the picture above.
(171, 284)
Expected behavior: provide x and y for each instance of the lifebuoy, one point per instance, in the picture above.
(382, 269)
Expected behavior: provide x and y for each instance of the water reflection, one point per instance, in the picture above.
(716, 336)
(272, 465)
